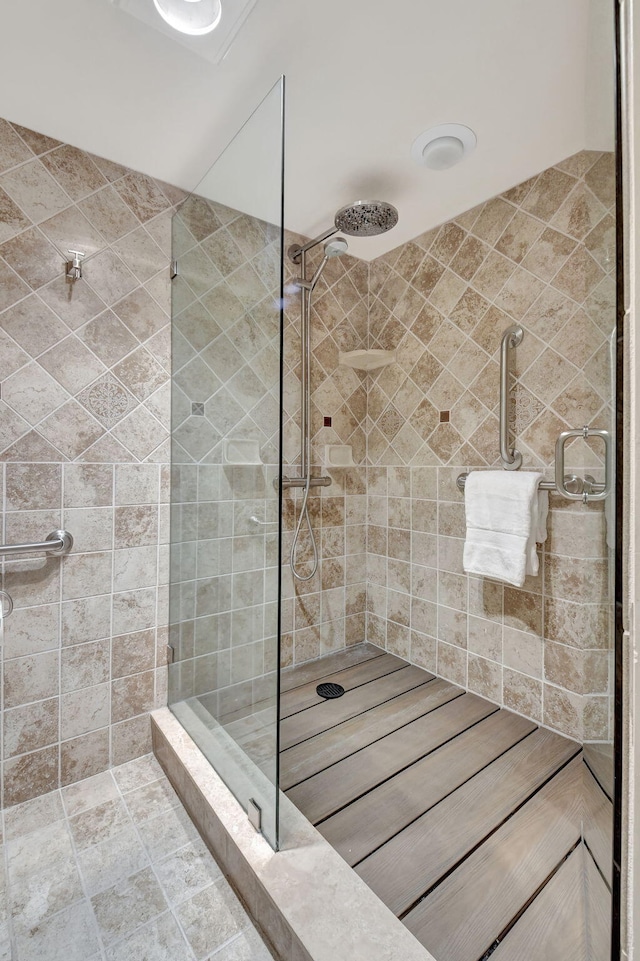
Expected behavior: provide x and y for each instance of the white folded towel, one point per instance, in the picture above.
(506, 517)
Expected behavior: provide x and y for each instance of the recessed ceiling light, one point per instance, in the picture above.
(193, 17)
(205, 27)
(443, 146)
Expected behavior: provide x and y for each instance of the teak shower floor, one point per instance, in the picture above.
(465, 819)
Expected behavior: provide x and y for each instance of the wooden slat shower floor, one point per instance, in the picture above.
(464, 818)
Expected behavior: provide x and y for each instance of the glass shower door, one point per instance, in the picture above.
(225, 452)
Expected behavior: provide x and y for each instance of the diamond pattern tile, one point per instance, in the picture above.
(108, 213)
(32, 257)
(33, 189)
(33, 325)
(13, 150)
(74, 171)
(85, 366)
(71, 429)
(33, 393)
(72, 364)
(61, 346)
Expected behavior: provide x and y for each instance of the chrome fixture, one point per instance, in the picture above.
(254, 813)
(193, 17)
(574, 488)
(5, 598)
(256, 520)
(364, 218)
(289, 482)
(58, 542)
(577, 488)
(571, 486)
(332, 249)
(598, 492)
(74, 267)
(512, 338)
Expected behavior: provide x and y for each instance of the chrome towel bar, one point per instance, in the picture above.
(571, 486)
(576, 487)
(58, 542)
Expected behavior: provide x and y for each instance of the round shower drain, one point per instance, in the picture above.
(330, 690)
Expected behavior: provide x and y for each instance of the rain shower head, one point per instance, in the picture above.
(366, 218)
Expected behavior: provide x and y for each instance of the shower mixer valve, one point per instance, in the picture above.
(74, 267)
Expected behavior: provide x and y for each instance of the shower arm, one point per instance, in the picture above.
(296, 252)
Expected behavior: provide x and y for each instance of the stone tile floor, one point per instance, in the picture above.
(112, 869)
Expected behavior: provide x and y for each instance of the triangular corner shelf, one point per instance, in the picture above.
(366, 359)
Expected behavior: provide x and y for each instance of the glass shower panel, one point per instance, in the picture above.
(225, 451)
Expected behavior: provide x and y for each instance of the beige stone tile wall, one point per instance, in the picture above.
(84, 426)
(84, 442)
(226, 391)
(542, 255)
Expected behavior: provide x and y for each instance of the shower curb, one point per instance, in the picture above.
(306, 901)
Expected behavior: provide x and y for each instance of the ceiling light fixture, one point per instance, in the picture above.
(193, 17)
(443, 146)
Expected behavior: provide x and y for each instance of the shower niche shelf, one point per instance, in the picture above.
(366, 359)
(338, 455)
(241, 452)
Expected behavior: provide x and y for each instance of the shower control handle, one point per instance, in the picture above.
(289, 482)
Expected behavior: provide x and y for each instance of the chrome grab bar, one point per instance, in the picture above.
(512, 338)
(598, 491)
(58, 542)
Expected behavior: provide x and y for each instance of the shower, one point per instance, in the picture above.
(364, 218)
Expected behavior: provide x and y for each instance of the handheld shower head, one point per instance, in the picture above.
(336, 247)
(366, 218)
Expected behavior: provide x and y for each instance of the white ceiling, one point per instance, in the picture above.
(533, 78)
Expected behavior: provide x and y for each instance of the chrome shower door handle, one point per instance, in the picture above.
(510, 457)
(585, 496)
